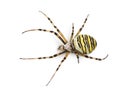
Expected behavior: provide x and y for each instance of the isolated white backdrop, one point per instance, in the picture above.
(29, 77)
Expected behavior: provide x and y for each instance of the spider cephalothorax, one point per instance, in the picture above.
(66, 47)
(80, 44)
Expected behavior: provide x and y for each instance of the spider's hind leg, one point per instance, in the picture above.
(99, 59)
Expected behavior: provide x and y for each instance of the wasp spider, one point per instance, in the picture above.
(80, 44)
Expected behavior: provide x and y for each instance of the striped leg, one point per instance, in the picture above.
(46, 31)
(55, 27)
(77, 56)
(55, 55)
(71, 37)
(72, 34)
(67, 53)
(99, 59)
(82, 25)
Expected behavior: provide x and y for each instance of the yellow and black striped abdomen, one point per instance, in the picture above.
(84, 44)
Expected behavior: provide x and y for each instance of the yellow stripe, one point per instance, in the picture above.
(81, 37)
(89, 43)
(76, 45)
(95, 43)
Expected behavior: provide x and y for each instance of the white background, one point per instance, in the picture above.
(29, 77)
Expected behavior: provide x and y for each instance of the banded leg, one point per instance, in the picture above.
(82, 25)
(99, 59)
(46, 31)
(77, 56)
(67, 53)
(55, 55)
(72, 34)
(65, 41)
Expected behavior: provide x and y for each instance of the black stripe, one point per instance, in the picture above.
(98, 59)
(92, 42)
(58, 67)
(49, 19)
(51, 56)
(87, 43)
(40, 29)
(84, 43)
(79, 42)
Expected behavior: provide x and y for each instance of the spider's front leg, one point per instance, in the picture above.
(44, 30)
(59, 32)
(65, 57)
(55, 55)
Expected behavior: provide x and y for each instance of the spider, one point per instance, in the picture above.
(80, 44)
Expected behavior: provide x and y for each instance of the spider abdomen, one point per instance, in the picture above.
(84, 44)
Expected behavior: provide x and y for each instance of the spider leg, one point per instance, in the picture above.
(67, 53)
(55, 27)
(99, 59)
(55, 55)
(56, 34)
(72, 34)
(82, 25)
(77, 56)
